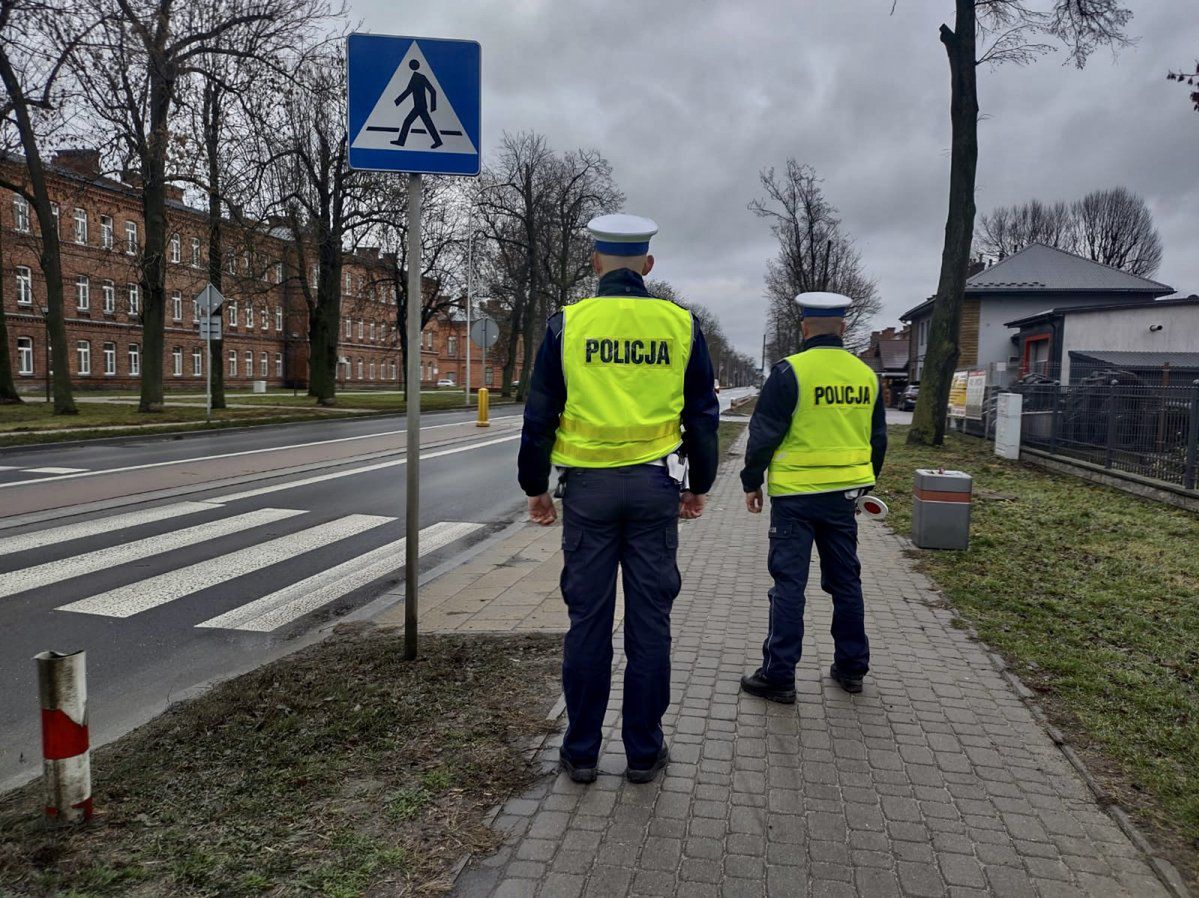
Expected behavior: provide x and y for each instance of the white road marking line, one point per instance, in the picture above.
(143, 595)
(184, 461)
(52, 471)
(7, 468)
(38, 539)
(292, 602)
(90, 562)
(321, 478)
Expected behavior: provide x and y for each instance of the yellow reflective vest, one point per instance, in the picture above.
(827, 447)
(624, 360)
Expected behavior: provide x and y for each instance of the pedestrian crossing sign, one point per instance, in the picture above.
(414, 104)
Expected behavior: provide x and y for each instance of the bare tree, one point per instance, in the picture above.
(814, 254)
(37, 37)
(1006, 31)
(1191, 79)
(131, 72)
(1115, 227)
(1008, 229)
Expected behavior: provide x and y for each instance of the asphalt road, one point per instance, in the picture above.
(177, 560)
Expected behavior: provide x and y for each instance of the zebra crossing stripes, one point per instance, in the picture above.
(42, 538)
(134, 598)
(292, 602)
(58, 471)
(137, 550)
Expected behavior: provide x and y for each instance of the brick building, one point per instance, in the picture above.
(101, 231)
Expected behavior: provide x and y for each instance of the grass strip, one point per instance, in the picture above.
(1093, 596)
(335, 771)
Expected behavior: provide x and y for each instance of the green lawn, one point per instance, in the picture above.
(1093, 595)
(442, 399)
(39, 416)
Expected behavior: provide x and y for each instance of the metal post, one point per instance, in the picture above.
(208, 348)
(1188, 478)
(470, 283)
(1111, 427)
(1055, 419)
(66, 750)
(46, 322)
(412, 381)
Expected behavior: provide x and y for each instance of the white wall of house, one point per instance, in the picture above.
(1127, 330)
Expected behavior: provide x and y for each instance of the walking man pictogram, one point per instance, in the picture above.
(421, 107)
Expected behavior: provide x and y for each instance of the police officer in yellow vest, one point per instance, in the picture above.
(622, 381)
(820, 427)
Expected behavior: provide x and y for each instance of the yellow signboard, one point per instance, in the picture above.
(957, 394)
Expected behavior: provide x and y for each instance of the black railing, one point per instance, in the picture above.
(1151, 431)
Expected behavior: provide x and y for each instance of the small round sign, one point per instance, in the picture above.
(484, 332)
(872, 507)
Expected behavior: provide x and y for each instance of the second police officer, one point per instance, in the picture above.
(820, 427)
(622, 381)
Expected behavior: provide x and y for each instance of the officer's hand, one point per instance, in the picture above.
(691, 506)
(753, 502)
(541, 510)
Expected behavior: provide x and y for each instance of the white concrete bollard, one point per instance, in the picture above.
(1008, 418)
(66, 752)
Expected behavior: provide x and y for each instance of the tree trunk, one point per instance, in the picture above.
(153, 257)
(323, 324)
(212, 129)
(944, 339)
(51, 257)
(8, 386)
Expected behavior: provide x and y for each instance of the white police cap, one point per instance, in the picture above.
(823, 305)
(622, 235)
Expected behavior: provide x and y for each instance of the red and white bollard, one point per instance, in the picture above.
(66, 757)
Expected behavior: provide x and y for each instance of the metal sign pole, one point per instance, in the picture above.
(412, 382)
(206, 319)
(470, 283)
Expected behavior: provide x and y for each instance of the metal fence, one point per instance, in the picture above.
(1152, 431)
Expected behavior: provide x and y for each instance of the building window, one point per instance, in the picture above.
(360, 368)
(487, 378)
(314, 277)
(233, 363)
(245, 262)
(106, 231)
(195, 310)
(24, 286)
(372, 370)
(372, 332)
(231, 263)
(81, 226)
(135, 303)
(349, 328)
(176, 306)
(83, 350)
(195, 252)
(279, 318)
(109, 291)
(264, 365)
(249, 363)
(83, 293)
(135, 360)
(177, 361)
(175, 247)
(24, 355)
(54, 212)
(452, 345)
(232, 307)
(20, 213)
(279, 364)
(361, 328)
(249, 317)
(197, 362)
(278, 272)
(110, 359)
(131, 238)
(265, 317)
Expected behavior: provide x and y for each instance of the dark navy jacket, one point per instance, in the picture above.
(547, 399)
(772, 419)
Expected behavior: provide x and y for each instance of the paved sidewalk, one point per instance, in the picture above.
(937, 780)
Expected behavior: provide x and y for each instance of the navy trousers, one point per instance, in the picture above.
(626, 517)
(796, 522)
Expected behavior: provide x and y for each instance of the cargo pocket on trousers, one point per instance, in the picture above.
(670, 570)
(572, 538)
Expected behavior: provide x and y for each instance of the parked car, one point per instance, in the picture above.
(907, 402)
(445, 382)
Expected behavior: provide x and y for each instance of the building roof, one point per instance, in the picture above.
(1039, 269)
(1129, 359)
(894, 354)
(1049, 314)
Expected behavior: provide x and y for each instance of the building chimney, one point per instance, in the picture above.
(81, 162)
(174, 192)
(976, 265)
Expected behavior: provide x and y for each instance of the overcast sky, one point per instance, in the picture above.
(689, 99)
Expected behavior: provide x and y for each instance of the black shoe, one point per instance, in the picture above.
(851, 683)
(648, 775)
(576, 772)
(756, 684)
